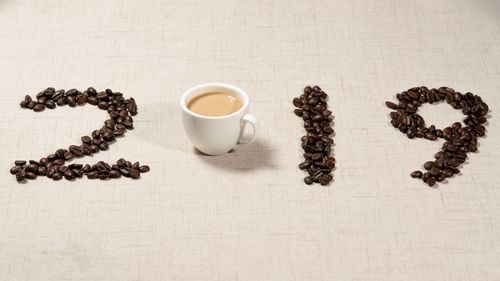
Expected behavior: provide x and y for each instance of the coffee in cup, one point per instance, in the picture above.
(214, 116)
(215, 104)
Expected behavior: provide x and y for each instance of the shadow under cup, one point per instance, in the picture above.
(214, 135)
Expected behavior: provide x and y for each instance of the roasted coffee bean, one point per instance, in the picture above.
(81, 99)
(104, 146)
(87, 150)
(308, 180)
(93, 175)
(431, 181)
(68, 175)
(134, 173)
(41, 171)
(86, 139)
(460, 139)
(299, 112)
(391, 105)
(32, 168)
(428, 165)
(39, 107)
(21, 176)
(102, 105)
(51, 172)
(30, 175)
(72, 92)
(20, 162)
(447, 173)
(92, 100)
(68, 155)
(434, 171)
(15, 169)
(57, 176)
(144, 168)
(75, 166)
(50, 104)
(416, 174)
(114, 174)
(94, 148)
(71, 101)
(77, 172)
(121, 163)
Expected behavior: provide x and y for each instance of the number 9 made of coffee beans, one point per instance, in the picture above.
(460, 139)
(54, 166)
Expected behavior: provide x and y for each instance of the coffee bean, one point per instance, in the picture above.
(134, 173)
(50, 104)
(71, 101)
(428, 165)
(81, 99)
(86, 139)
(39, 107)
(121, 163)
(75, 166)
(20, 176)
(14, 170)
(102, 105)
(92, 175)
(41, 171)
(50, 172)
(114, 174)
(144, 168)
(77, 172)
(430, 136)
(447, 173)
(30, 175)
(92, 100)
(57, 176)
(308, 180)
(68, 175)
(416, 174)
(32, 168)
(431, 181)
(72, 92)
(68, 155)
(94, 148)
(20, 162)
(104, 146)
(325, 179)
(434, 171)
(391, 105)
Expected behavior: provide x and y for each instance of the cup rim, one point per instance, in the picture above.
(229, 87)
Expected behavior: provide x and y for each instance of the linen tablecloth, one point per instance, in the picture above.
(247, 215)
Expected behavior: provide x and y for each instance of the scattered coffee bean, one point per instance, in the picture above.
(416, 174)
(459, 139)
(317, 144)
(144, 168)
(53, 166)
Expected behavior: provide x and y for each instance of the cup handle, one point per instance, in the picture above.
(249, 119)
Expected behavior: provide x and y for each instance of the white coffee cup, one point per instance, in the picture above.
(215, 135)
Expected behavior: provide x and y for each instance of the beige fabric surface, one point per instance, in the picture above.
(247, 215)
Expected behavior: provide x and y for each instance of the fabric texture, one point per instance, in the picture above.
(247, 215)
